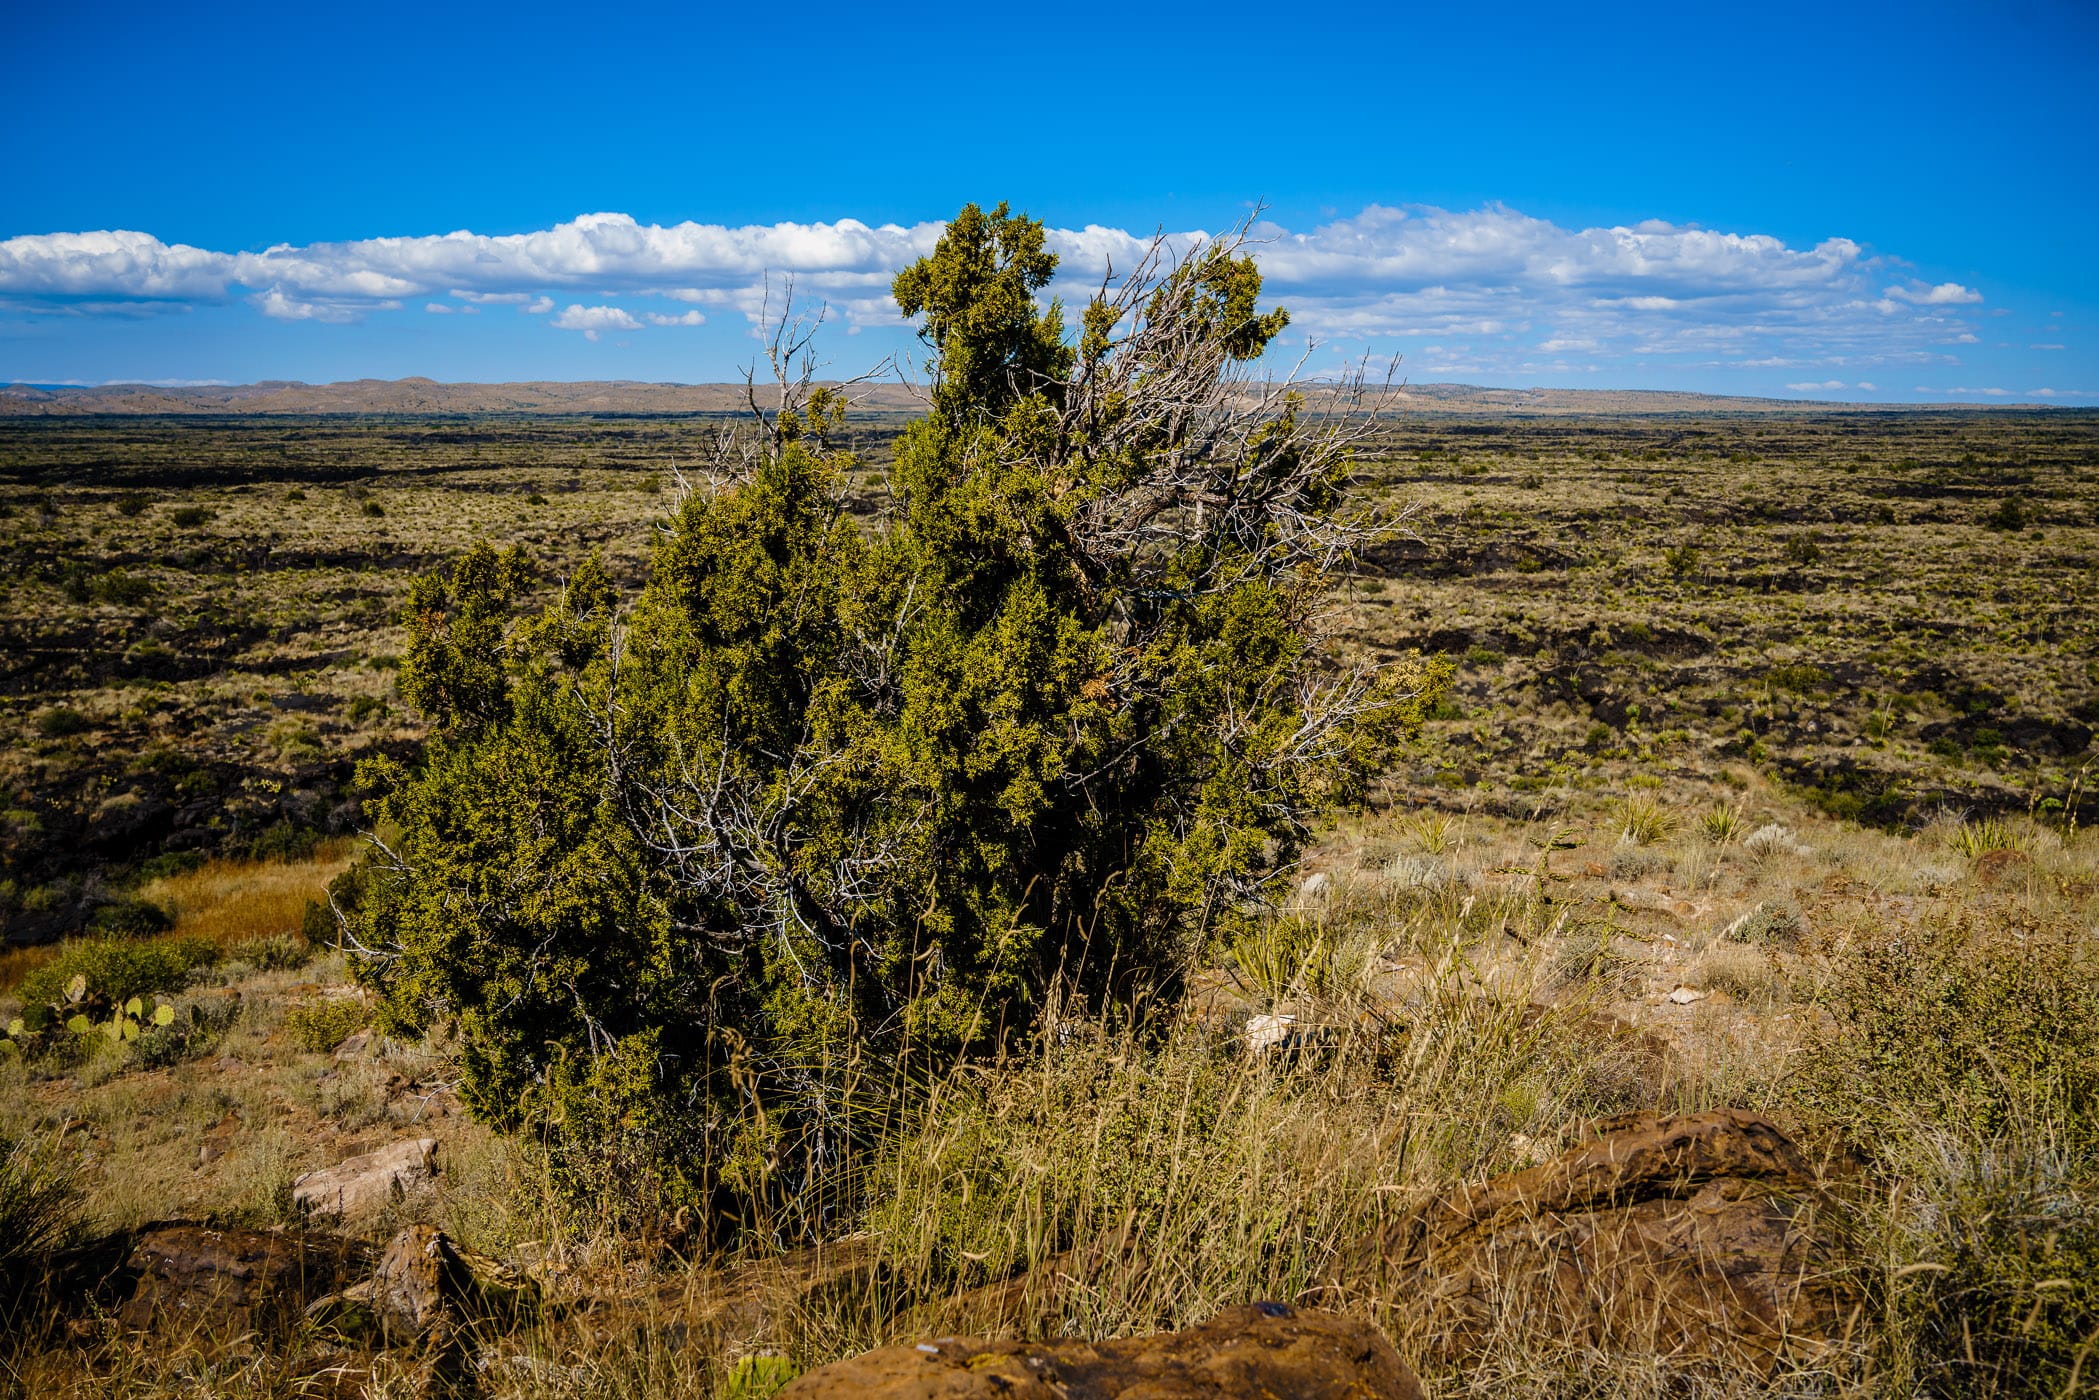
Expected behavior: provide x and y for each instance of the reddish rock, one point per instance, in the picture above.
(1265, 1349)
(1692, 1235)
(196, 1280)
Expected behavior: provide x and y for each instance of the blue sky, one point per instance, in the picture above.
(1774, 200)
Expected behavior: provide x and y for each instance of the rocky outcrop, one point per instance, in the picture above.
(1265, 1349)
(426, 1285)
(368, 1183)
(1692, 1235)
(193, 1280)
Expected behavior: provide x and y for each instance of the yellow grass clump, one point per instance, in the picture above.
(230, 901)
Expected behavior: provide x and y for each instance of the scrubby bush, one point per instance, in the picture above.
(282, 952)
(320, 1026)
(129, 916)
(115, 970)
(61, 723)
(703, 873)
(1959, 1026)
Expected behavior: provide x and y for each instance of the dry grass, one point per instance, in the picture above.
(231, 901)
(17, 963)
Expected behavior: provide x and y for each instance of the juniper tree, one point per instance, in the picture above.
(699, 874)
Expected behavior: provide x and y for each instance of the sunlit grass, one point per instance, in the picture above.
(230, 901)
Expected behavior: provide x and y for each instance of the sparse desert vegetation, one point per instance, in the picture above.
(1761, 785)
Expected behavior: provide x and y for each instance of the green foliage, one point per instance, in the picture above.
(1950, 1026)
(190, 517)
(279, 952)
(1285, 959)
(320, 1026)
(1642, 821)
(113, 971)
(1722, 824)
(701, 872)
(1977, 838)
(2003, 1300)
(759, 1377)
(130, 917)
(2009, 514)
(61, 723)
(285, 841)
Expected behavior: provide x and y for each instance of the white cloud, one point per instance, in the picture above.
(278, 306)
(438, 308)
(1868, 385)
(591, 320)
(690, 318)
(1827, 384)
(1944, 294)
(2046, 347)
(1516, 285)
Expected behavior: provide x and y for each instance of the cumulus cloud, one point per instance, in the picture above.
(592, 320)
(1944, 294)
(1815, 388)
(1511, 285)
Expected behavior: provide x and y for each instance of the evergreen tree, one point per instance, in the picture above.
(700, 875)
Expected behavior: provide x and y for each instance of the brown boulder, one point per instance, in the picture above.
(427, 1286)
(1265, 1349)
(194, 1279)
(1693, 1235)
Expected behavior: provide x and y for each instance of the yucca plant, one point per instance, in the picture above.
(1282, 960)
(1434, 832)
(1722, 825)
(1643, 821)
(1975, 839)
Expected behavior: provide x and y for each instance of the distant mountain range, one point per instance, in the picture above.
(427, 397)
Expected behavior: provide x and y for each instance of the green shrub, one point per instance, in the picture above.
(130, 917)
(115, 970)
(61, 723)
(1722, 824)
(320, 1026)
(848, 798)
(132, 503)
(1975, 839)
(277, 952)
(2010, 515)
(190, 517)
(1995, 1289)
(1643, 821)
(284, 841)
(1959, 1026)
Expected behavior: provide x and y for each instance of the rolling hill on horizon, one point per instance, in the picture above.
(419, 395)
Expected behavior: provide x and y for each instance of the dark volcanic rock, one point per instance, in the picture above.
(1692, 1235)
(196, 1280)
